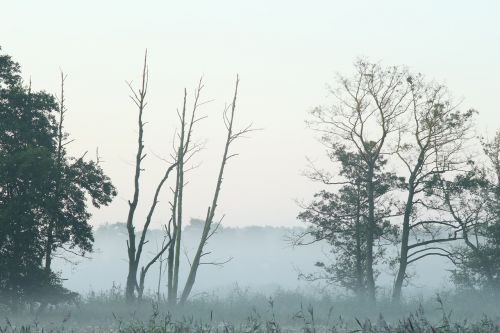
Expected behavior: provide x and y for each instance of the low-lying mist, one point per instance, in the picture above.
(260, 259)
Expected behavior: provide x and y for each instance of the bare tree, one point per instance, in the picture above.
(184, 152)
(59, 160)
(210, 227)
(139, 99)
(184, 149)
(135, 250)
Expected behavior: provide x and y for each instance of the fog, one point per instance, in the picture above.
(325, 150)
(262, 259)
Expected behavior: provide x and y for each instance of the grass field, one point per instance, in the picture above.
(244, 311)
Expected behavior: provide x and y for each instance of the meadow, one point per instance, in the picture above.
(248, 311)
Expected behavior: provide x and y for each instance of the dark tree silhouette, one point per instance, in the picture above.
(340, 218)
(431, 143)
(43, 192)
(366, 115)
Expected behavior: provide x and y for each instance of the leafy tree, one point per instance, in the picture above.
(341, 219)
(26, 143)
(368, 112)
(473, 200)
(413, 124)
(74, 180)
(43, 192)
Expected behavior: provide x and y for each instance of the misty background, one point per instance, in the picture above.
(286, 53)
(262, 260)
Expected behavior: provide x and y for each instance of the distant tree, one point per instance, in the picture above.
(42, 192)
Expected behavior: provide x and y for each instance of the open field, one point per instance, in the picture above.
(250, 312)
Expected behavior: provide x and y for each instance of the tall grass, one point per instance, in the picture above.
(246, 311)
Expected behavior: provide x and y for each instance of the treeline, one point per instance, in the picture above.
(407, 170)
(44, 193)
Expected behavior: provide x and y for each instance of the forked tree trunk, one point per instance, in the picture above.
(231, 136)
(180, 193)
(405, 237)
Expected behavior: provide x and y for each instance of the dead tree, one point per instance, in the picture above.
(142, 241)
(139, 99)
(209, 227)
(183, 152)
(135, 250)
(59, 161)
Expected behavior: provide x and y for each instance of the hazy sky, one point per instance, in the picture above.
(285, 52)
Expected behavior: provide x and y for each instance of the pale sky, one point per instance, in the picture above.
(286, 52)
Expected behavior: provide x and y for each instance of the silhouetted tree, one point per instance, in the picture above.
(473, 201)
(340, 218)
(185, 148)
(43, 192)
(135, 250)
(368, 110)
(431, 143)
(210, 226)
(74, 180)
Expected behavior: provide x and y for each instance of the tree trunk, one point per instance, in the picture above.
(180, 167)
(196, 261)
(57, 192)
(48, 249)
(139, 100)
(180, 193)
(403, 258)
(131, 282)
(171, 295)
(358, 253)
(370, 279)
(211, 210)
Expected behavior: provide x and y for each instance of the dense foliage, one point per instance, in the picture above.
(341, 219)
(43, 191)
